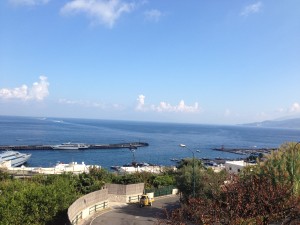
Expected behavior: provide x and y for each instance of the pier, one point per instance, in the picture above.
(131, 145)
(246, 151)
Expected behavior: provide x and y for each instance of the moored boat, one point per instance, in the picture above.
(70, 146)
(15, 157)
(174, 159)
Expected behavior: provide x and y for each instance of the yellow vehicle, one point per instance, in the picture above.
(146, 200)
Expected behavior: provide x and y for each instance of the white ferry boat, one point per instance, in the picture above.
(16, 158)
(70, 146)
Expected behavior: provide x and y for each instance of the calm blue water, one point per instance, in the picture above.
(163, 139)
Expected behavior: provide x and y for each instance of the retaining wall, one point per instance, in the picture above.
(125, 193)
(87, 205)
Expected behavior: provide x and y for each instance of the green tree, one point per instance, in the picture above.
(4, 176)
(11, 198)
(283, 166)
(41, 200)
(133, 178)
(163, 180)
(101, 174)
(205, 179)
(87, 183)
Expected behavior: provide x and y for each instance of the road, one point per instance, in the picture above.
(134, 215)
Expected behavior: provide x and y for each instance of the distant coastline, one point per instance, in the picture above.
(285, 124)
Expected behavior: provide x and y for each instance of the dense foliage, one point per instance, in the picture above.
(266, 193)
(41, 200)
(206, 180)
(166, 178)
(251, 200)
(283, 166)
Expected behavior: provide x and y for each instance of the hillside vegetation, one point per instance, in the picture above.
(286, 123)
(262, 194)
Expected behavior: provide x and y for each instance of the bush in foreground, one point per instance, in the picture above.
(42, 200)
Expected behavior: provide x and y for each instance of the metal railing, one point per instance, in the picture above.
(97, 207)
(134, 198)
(77, 218)
(167, 190)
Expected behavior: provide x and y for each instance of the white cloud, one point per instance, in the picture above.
(67, 102)
(100, 11)
(295, 108)
(140, 102)
(38, 91)
(166, 107)
(81, 103)
(153, 15)
(181, 107)
(28, 2)
(90, 104)
(251, 9)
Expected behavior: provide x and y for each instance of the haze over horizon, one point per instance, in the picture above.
(164, 61)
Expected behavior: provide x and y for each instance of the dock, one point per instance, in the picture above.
(246, 151)
(130, 145)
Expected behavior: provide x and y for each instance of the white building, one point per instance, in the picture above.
(132, 169)
(72, 167)
(236, 166)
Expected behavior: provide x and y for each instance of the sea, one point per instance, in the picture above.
(163, 139)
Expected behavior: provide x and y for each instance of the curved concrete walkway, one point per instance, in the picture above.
(112, 206)
(116, 206)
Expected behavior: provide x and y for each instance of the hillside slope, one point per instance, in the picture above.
(288, 123)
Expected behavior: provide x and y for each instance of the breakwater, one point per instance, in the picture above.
(246, 151)
(130, 145)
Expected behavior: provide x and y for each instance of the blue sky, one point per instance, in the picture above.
(196, 61)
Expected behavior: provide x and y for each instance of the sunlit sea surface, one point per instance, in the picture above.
(163, 139)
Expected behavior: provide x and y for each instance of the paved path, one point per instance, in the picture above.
(132, 214)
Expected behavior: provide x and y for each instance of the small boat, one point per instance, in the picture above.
(15, 157)
(115, 167)
(70, 146)
(174, 159)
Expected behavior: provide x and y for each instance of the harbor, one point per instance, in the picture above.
(129, 145)
(10, 159)
(75, 146)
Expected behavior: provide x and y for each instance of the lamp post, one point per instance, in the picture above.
(194, 183)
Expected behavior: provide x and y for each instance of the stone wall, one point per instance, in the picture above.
(124, 193)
